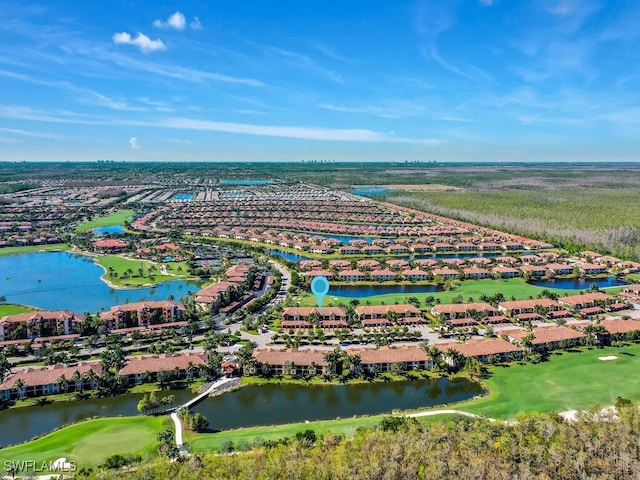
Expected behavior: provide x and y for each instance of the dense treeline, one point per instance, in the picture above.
(540, 447)
(597, 218)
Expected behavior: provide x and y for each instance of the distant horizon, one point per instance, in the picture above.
(334, 162)
(365, 80)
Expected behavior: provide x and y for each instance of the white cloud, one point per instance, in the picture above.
(133, 142)
(196, 24)
(306, 133)
(175, 21)
(144, 43)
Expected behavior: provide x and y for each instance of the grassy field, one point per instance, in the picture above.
(210, 442)
(116, 218)
(92, 442)
(121, 265)
(567, 381)
(34, 248)
(516, 287)
(12, 309)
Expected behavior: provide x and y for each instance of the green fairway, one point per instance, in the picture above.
(567, 381)
(210, 442)
(515, 287)
(12, 309)
(34, 248)
(126, 272)
(92, 442)
(116, 218)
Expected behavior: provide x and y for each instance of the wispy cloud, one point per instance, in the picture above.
(392, 109)
(141, 41)
(182, 123)
(306, 133)
(304, 62)
(133, 143)
(177, 72)
(196, 24)
(28, 133)
(175, 21)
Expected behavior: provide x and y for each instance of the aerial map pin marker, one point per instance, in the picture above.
(319, 287)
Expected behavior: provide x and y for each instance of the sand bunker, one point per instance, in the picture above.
(610, 357)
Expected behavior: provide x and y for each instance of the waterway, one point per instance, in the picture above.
(250, 406)
(21, 424)
(67, 281)
(580, 283)
(358, 291)
(275, 404)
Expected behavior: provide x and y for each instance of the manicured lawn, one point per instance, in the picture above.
(568, 381)
(516, 287)
(120, 266)
(210, 442)
(12, 309)
(92, 442)
(34, 248)
(116, 218)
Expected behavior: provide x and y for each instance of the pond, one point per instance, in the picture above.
(370, 190)
(110, 229)
(276, 404)
(292, 257)
(22, 424)
(66, 281)
(580, 283)
(183, 197)
(357, 291)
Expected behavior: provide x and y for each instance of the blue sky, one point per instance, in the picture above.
(444, 80)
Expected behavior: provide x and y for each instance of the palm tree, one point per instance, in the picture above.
(21, 388)
(77, 378)
(63, 382)
(334, 359)
(455, 359)
(354, 363)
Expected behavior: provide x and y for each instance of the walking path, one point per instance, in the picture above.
(216, 387)
(447, 412)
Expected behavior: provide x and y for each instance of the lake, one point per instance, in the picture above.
(67, 281)
(357, 291)
(251, 405)
(370, 190)
(110, 229)
(273, 404)
(580, 283)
